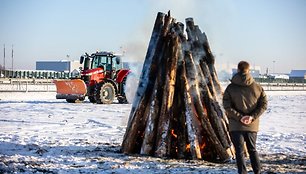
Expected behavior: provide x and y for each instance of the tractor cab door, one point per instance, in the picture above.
(104, 62)
(117, 65)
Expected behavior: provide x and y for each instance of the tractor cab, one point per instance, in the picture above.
(109, 62)
(101, 61)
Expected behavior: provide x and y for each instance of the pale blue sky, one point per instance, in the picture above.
(259, 31)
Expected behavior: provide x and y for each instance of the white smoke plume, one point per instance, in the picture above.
(135, 47)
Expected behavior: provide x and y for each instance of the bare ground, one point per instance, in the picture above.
(106, 158)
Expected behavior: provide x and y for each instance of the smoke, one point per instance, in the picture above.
(135, 47)
(132, 80)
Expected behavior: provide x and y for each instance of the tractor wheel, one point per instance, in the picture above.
(122, 97)
(105, 93)
(91, 93)
(92, 99)
(80, 100)
(70, 100)
(122, 100)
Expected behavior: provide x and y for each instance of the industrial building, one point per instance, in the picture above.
(297, 76)
(59, 66)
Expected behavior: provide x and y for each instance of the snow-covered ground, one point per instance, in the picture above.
(41, 134)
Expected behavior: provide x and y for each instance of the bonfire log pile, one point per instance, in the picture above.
(176, 113)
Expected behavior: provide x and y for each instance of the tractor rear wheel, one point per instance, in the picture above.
(122, 100)
(104, 93)
(122, 97)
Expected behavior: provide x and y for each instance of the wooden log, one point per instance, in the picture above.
(191, 35)
(179, 109)
(210, 60)
(194, 92)
(148, 144)
(216, 107)
(190, 118)
(166, 112)
(206, 72)
(136, 123)
(215, 99)
(210, 103)
(199, 54)
(179, 119)
(171, 74)
(200, 46)
(143, 80)
(202, 55)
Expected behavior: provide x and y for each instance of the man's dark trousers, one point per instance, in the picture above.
(238, 139)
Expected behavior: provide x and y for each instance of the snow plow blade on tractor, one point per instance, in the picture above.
(102, 79)
(71, 90)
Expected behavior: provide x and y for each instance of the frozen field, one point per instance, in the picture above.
(41, 134)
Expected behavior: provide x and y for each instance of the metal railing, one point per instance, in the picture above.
(26, 85)
(274, 86)
(35, 74)
(284, 86)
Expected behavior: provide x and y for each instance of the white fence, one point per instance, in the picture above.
(284, 86)
(277, 86)
(27, 85)
(47, 85)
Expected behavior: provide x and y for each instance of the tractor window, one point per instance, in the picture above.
(115, 65)
(99, 61)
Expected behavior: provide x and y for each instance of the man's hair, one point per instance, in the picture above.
(243, 66)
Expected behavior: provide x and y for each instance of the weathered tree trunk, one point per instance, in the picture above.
(137, 117)
(194, 90)
(191, 118)
(210, 60)
(202, 54)
(214, 119)
(143, 81)
(147, 147)
(166, 112)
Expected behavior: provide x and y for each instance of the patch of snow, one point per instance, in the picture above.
(41, 134)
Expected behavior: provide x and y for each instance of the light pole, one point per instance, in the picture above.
(274, 66)
(12, 57)
(4, 57)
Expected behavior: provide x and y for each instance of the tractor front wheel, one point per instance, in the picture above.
(71, 100)
(104, 93)
(92, 99)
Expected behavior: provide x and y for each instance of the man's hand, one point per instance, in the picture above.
(247, 119)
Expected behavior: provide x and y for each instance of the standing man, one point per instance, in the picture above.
(244, 102)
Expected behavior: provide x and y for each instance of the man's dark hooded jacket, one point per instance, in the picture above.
(244, 97)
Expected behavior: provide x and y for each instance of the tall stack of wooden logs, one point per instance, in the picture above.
(176, 113)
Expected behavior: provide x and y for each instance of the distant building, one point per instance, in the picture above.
(281, 76)
(228, 67)
(297, 75)
(255, 73)
(60, 66)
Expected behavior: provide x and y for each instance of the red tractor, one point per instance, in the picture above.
(102, 79)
